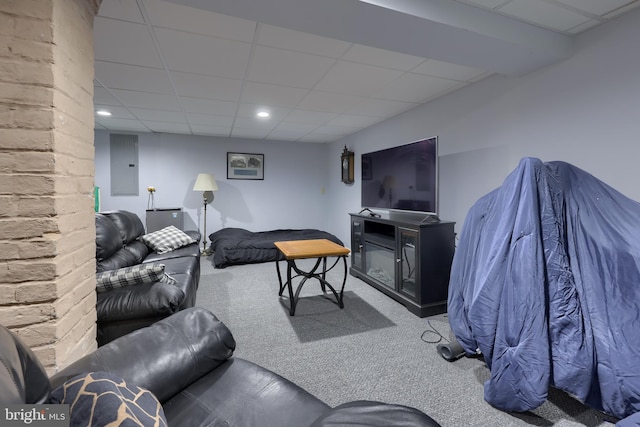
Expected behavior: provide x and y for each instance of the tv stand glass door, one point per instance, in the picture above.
(407, 262)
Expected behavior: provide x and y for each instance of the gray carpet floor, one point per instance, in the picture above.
(372, 349)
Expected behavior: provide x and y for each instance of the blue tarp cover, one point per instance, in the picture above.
(545, 282)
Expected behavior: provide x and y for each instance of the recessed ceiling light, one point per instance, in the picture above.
(263, 114)
(103, 113)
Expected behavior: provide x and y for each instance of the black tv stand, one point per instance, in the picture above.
(405, 257)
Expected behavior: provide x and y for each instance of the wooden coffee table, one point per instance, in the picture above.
(304, 249)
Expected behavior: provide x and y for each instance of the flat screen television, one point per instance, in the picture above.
(402, 178)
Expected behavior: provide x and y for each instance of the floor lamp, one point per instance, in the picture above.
(205, 182)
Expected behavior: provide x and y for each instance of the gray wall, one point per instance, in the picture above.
(290, 196)
(585, 111)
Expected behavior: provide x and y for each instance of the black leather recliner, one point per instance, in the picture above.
(186, 361)
(124, 310)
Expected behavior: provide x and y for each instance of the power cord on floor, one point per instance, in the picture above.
(431, 331)
(450, 350)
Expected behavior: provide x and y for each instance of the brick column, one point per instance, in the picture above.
(47, 231)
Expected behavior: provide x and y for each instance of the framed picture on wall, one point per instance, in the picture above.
(245, 166)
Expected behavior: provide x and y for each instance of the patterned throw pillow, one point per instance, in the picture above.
(167, 239)
(134, 275)
(100, 399)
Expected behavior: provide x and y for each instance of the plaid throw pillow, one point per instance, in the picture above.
(134, 275)
(167, 239)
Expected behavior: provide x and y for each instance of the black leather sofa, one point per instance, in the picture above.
(186, 361)
(126, 309)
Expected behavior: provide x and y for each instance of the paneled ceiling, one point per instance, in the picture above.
(322, 69)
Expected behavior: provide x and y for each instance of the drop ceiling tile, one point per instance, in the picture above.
(356, 79)
(311, 117)
(116, 112)
(250, 110)
(249, 133)
(287, 68)
(158, 115)
(447, 70)
(381, 108)
(285, 38)
(329, 102)
(381, 58)
(446, 91)
(199, 129)
(208, 106)
(125, 10)
(319, 137)
(124, 42)
(179, 17)
(132, 77)
(294, 127)
(286, 134)
(595, 7)
(200, 86)
(337, 130)
(103, 97)
(200, 54)
(210, 120)
(167, 127)
(130, 98)
(254, 123)
(542, 13)
(267, 94)
(349, 121)
(415, 88)
(122, 124)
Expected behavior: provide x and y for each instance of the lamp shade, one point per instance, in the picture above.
(205, 182)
